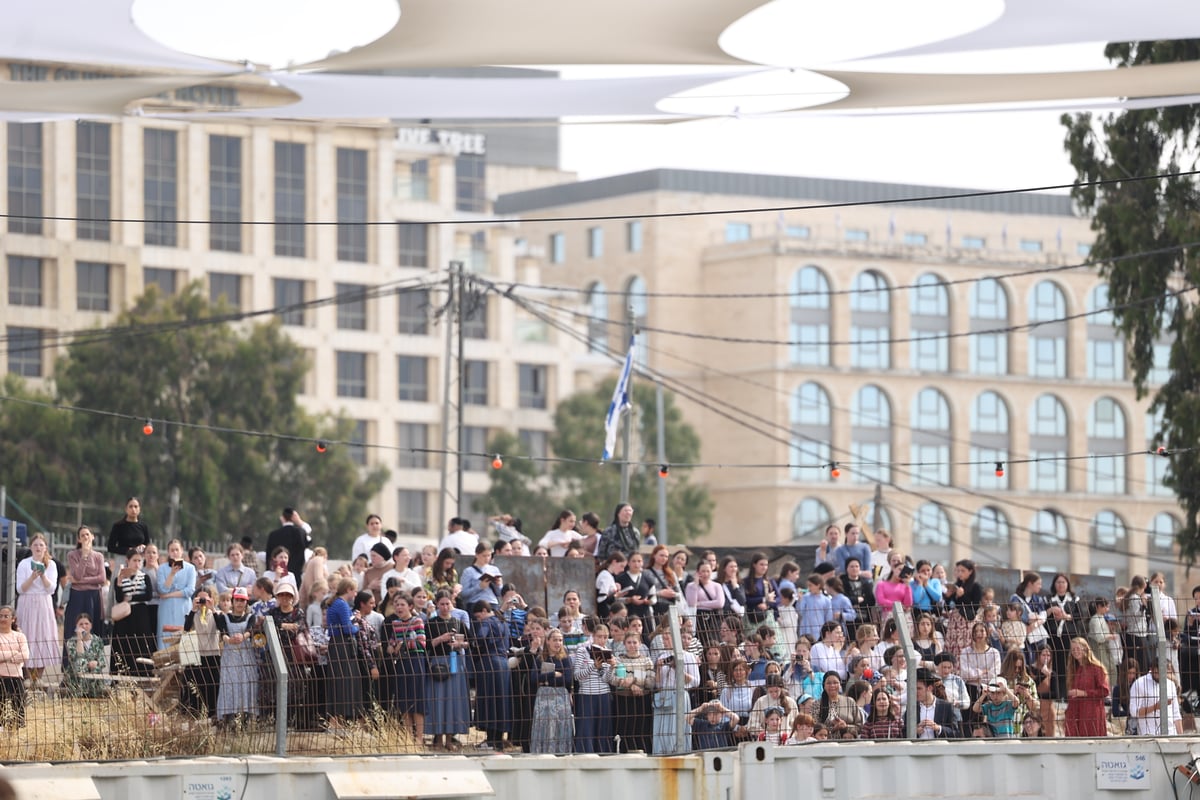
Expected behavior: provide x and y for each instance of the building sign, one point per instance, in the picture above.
(213, 787)
(1123, 771)
(220, 94)
(456, 143)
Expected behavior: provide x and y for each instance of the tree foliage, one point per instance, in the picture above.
(1147, 234)
(580, 482)
(166, 358)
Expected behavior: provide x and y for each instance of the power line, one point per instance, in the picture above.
(940, 196)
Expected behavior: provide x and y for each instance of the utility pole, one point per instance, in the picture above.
(662, 459)
(627, 433)
(450, 317)
(877, 508)
(462, 373)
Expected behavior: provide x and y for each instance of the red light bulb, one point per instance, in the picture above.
(148, 428)
(999, 469)
(664, 471)
(835, 470)
(321, 448)
(497, 462)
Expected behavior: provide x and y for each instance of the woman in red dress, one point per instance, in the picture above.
(1087, 683)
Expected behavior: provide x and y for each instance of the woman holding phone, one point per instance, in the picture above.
(37, 577)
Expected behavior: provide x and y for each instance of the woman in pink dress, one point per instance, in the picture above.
(37, 577)
(1087, 683)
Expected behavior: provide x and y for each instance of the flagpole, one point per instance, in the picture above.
(627, 432)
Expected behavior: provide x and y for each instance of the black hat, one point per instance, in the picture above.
(383, 550)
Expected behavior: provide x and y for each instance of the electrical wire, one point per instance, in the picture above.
(927, 198)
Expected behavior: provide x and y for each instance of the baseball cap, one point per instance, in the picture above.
(998, 685)
(493, 570)
(240, 593)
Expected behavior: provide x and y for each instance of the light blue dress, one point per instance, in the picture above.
(172, 610)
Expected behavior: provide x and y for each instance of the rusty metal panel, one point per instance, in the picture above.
(544, 581)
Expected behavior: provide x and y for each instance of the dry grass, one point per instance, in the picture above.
(124, 726)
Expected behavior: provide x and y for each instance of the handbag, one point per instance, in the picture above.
(304, 650)
(121, 610)
(189, 649)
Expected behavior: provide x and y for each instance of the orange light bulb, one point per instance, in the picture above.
(321, 447)
(148, 428)
(497, 462)
(835, 471)
(999, 469)
(664, 471)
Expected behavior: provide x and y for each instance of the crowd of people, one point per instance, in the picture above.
(782, 655)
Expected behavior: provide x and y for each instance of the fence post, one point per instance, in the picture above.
(1164, 706)
(680, 688)
(910, 656)
(275, 654)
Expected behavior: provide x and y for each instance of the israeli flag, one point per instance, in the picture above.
(619, 405)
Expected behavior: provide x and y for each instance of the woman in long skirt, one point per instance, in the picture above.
(239, 664)
(405, 649)
(37, 577)
(133, 635)
(343, 689)
(85, 568)
(525, 666)
(593, 668)
(666, 673)
(447, 709)
(493, 684)
(553, 722)
(175, 584)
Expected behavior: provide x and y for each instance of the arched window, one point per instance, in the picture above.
(988, 344)
(929, 322)
(989, 441)
(1105, 348)
(1162, 539)
(597, 299)
(870, 322)
(1110, 546)
(931, 526)
(871, 436)
(811, 431)
(989, 528)
(810, 317)
(635, 293)
(930, 438)
(1048, 341)
(1048, 445)
(810, 518)
(1050, 536)
(1106, 441)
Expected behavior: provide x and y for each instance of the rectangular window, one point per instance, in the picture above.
(1156, 476)
(812, 344)
(225, 193)
(470, 183)
(475, 383)
(414, 244)
(418, 180)
(358, 442)
(412, 442)
(25, 177)
(872, 459)
(351, 374)
(536, 445)
(1083, 250)
(93, 181)
(558, 248)
(983, 475)
(166, 280)
(633, 236)
(988, 354)
(92, 286)
(797, 231)
(856, 235)
(870, 349)
(1047, 356)
(595, 242)
(737, 231)
(931, 464)
(25, 351)
(223, 286)
(532, 380)
(24, 281)
(479, 252)
(1160, 369)
(475, 321)
(411, 512)
(413, 311)
(352, 186)
(1031, 245)
(412, 378)
(913, 239)
(929, 353)
(972, 242)
(1104, 360)
(291, 197)
(475, 440)
(160, 187)
(351, 306)
(1048, 473)
(289, 301)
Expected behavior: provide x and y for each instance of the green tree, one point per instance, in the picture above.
(40, 456)
(1147, 229)
(581, 482)
(168, 359)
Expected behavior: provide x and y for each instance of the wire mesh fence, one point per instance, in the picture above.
(262, 680)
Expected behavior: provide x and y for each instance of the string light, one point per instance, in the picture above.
(834, 470)
(148, 428)
(999, 469)
(322, 447)
(664, 470)
(497, 462)
(1162, 451)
